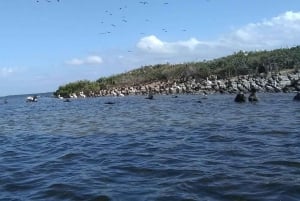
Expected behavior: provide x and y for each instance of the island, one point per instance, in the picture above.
(265, 71)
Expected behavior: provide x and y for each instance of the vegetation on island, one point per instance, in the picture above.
(239, 63)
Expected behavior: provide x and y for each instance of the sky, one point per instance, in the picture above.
(45, 44)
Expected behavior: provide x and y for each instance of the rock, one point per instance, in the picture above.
(274, 83)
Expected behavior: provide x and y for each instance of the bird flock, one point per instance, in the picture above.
(115, 20)
(124, 19)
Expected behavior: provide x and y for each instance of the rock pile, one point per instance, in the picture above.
(280, 82)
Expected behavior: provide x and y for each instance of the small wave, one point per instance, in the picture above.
(218, 138)
(276, 132)
(70, 156)
(61, 191)
(284, 163)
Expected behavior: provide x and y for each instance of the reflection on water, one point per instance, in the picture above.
(161, 149)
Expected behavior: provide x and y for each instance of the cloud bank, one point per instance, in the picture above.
(277, 32)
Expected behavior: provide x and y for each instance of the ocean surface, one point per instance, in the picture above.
(186, 148)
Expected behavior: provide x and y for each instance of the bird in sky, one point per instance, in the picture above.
(144, 2)
(104, 33)
(49, 1)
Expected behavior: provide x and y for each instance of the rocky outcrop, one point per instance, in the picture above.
(280, 82)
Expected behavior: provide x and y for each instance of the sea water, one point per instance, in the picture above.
(186, 148)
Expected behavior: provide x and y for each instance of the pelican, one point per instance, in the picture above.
(31, 99)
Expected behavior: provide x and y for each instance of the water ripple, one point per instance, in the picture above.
(165, 149)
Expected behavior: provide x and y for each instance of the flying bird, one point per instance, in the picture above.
(144, 2)
(108, 12)
(104, 33)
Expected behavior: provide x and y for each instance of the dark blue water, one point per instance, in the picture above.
(154, 150)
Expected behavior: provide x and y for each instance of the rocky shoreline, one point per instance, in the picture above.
(287, 81)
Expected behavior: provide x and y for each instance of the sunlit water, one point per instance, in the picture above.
(162, 149)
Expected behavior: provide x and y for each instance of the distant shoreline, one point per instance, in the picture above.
(48, 94)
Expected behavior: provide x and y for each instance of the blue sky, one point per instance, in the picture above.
(45, 44)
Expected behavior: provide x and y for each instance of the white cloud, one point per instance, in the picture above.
(280, 31)
(89, 60)
(75, 62)
(288, 16)
(93, 60)
(190, 44)
(4, 72)
(154, 45)
(283, 30)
